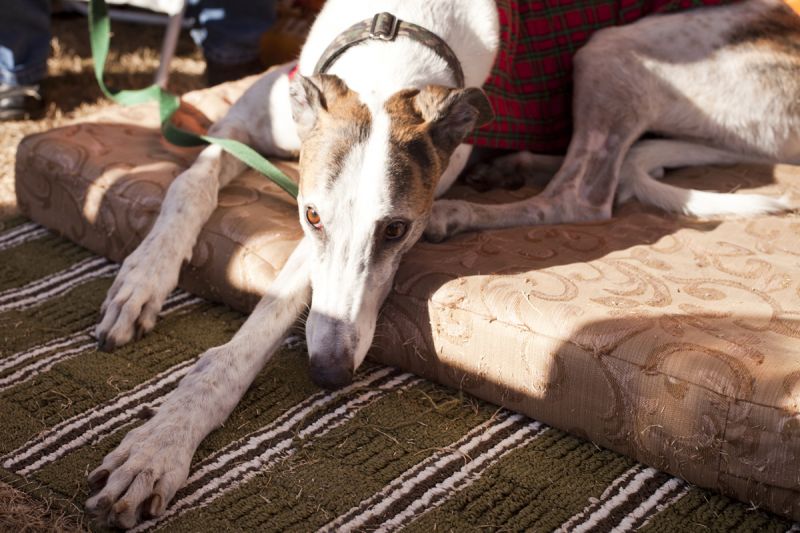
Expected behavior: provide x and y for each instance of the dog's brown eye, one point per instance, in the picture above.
(395, 230)
(313, 217)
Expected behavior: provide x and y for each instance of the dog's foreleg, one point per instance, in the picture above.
(142, 474)
(647, 160)
(149, 274)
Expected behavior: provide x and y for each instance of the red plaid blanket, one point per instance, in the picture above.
(530, 86)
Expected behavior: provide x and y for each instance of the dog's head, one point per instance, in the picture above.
(367, 182)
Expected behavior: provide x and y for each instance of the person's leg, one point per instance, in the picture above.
(229, 32)
(24, 48)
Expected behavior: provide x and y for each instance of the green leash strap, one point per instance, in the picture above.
(168, 103)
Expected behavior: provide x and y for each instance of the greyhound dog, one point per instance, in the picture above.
(379, 126)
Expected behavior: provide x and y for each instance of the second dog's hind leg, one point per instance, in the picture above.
(583, 189)
(646, 77)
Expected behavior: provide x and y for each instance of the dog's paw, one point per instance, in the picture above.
(134, 300)
(448, 218)
(139, 478)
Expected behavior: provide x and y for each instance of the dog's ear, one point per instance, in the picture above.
(307, 101)
(453, 113)
(312, 96)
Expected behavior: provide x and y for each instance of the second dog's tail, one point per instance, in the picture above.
(654, 155)
(703, 203)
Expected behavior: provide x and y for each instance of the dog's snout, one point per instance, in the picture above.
(331, 350)
(330, 376)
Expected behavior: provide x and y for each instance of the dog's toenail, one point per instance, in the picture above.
(152, 506)
(98, 480)
(107, 345)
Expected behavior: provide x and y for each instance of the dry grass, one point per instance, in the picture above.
(22, 514)
(71, 90)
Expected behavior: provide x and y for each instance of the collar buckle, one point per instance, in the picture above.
(384, 27)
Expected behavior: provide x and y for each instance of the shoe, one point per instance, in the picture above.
(20, 102)
(217, 73)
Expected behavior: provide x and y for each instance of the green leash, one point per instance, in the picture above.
(168, 103)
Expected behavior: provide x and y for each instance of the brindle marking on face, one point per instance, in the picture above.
(416, 163)
(342, 123)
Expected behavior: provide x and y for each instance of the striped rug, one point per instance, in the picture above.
(389, 452)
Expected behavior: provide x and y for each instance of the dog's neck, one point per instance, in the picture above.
(387, 28)
(378, 70)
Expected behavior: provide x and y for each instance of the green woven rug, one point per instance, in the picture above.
(391, 451)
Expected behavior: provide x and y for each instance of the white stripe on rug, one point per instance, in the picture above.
(464, 477)
(313, 403)
(86, 423)
(180, 305)
(241, 447)
(627, 523)
(177, 300)
(90, 426)
(418, 474)
(31, 301)
(53, 290)
(39, 366)
(10, 241)
(612, 503)
(44, 364)
(684, 490)
(41, 349)
(594, 503)
(16, 231)
(345, 412)
(234, 476)
(53, 279)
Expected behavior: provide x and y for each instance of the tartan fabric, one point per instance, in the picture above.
(530, 86)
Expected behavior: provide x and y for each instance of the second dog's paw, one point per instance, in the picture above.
(485, 177)
(132, 304)
(448, 218)
(139, 478)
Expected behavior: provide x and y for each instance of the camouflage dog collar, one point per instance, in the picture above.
(387, 27)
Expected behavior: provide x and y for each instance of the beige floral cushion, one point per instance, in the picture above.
(671, 340)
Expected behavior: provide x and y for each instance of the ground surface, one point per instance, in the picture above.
(71, 90)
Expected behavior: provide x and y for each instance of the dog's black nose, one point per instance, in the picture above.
(329, 376)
